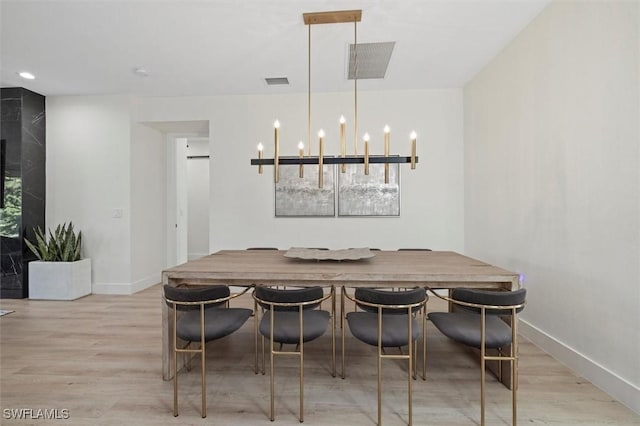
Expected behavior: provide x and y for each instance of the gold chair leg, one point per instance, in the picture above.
(424, 342)
(380, 366)
(514, 367)
(263, 355)
(482, 366)
(333, 331)
(342, 330)
(410, 370)
(203, 367)
(301, 354)
(272, 411)
(175, 365)
(255, 335)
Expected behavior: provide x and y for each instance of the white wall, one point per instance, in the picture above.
(147, 205)
(242, 202)
(88, 179)
(198, 198)
(552, 184)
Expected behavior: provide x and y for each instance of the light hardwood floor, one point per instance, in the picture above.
(99, 357)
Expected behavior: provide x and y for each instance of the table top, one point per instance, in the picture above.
(438, 269)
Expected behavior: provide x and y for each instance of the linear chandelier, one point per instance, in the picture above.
(334, 17)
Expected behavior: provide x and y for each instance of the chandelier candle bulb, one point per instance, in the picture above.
(260, 149)
(320, 159)
(366, 153)
(343, 143)
(276, 152)
(387, 136)
(413, 137)
(301, 155)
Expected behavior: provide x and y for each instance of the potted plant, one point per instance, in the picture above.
(59, 273)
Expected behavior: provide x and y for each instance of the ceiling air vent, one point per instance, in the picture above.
(373, 59)
(275, 81)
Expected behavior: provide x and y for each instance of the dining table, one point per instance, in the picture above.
(377, 269)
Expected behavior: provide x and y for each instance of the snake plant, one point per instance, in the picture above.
(62, 245)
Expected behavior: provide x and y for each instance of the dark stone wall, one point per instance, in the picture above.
(22, 128)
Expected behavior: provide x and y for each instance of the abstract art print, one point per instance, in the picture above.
(368, 195)
(298, 197)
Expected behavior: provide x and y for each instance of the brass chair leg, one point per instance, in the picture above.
(424, 342)
(255, 335)
(410, 370)
(380, 366)
(514, 367)
(175, 365)
(301, 354)
(272, 410)
(482, 365)
(333, 331)
(203, 364)
(342, 330)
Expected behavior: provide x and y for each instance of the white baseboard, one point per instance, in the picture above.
(617, 387)
(126, 288)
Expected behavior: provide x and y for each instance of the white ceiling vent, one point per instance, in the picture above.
(373, 59)
(274, 81)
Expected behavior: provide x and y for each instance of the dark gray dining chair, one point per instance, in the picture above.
(292, 317)
(478, 323)
(387, 319)
(204, 316)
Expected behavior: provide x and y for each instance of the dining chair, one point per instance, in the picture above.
(387, 318)
(204, 316)
(291, 317)
(479, 323)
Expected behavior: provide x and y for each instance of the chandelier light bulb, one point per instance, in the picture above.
(366, 137)
(342, 119)
(321, 133)
(260, 147)
(301, 145)
(387, 129)
(276, 124)
(413, 135)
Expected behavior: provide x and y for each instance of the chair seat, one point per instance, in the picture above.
(218, 322)
(287, 325)
(364, 326)
(464, 327)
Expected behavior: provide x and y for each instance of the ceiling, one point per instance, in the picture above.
(220, 47)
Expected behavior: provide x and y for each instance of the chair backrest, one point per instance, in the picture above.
(389, 298)
(295, 295)
(490, 298)
(195, 294)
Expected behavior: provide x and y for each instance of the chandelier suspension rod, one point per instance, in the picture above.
(355, 87)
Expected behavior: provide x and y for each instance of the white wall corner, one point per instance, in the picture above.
(622, 390)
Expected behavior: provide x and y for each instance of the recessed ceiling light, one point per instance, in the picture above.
(26, 75)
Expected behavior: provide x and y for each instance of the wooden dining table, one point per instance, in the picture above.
(436, 269)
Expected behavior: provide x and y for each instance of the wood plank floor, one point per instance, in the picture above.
(99, 357)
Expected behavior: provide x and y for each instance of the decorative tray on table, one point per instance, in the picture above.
(338, 255)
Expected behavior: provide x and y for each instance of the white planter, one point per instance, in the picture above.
(59, 280)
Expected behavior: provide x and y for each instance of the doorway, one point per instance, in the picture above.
(187, 200)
